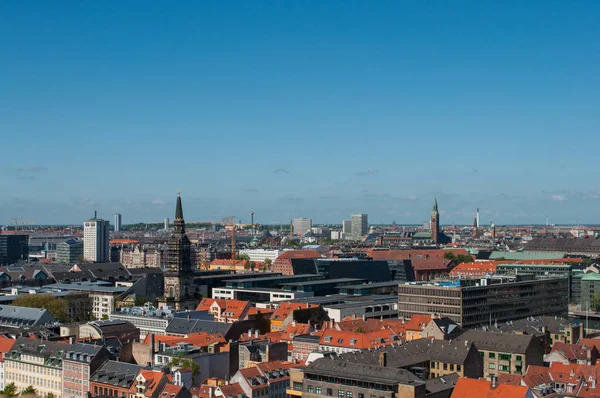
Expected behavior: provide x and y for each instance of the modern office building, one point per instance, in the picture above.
(166, 226)
(371, 270)
(474, 302)
(539, 270)
(590, 287)
(360, 226)
(70, 251)
(13, 248)
(117, 225)
(301, 225)
(347, 229)
(261, 254)
(96, 240)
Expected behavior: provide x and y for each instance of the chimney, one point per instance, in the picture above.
(364, 317)
(72, 340)
(249, 334)
(494, 380)
(382, 359)
(95, 214)
(152, 347)
(210, 392)
(256, 332)
(353, 316)
(189, 316)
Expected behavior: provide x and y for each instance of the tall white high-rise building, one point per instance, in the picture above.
(301, 225)
(166, 226)
(117, 224)
(360, 226)
(347, 229)
(96, 244)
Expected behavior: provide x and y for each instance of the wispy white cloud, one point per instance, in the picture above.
(281, 170)
(366, 172)
(159, 202)
(559, 198)
(31, 169)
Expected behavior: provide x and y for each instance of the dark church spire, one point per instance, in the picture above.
(435, 206)
(178, 209)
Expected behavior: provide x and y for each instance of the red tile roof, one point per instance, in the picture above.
(572, 352)
(338, 338)
(285, 309)
(299, 254)
(481, 388)
(583, 379)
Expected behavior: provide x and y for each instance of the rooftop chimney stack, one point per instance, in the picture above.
(383, 359)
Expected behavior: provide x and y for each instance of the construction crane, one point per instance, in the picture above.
(16, 221)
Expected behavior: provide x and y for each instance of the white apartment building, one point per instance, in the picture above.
(261, 254)
(301, 225)
(96, 240)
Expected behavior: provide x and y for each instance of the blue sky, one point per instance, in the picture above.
(300, 109)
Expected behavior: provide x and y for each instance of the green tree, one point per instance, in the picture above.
(268, 262)
(595, 303)
(56, 306)
(104, 317)
(140, 301)
(10, 390)
(50, 395)
(252, 265)
(28, 390)
(243, 257)
(180, 361)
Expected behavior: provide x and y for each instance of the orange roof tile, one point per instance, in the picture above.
(473, 388)
(299, 254)
(285, 309)
(6, 344)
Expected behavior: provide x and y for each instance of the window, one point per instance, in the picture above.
(348, 394)
(518, 357)
(297, 386)
(492, 366)
(458, 368)
(310, 389)
(445, 366)
(361, 395)
(318, 390)
(492, 355)
(504, 357)
(340, 393)
(452, 367)
(329, 392)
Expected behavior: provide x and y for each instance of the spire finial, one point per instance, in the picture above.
(178, 192)
(178, 208)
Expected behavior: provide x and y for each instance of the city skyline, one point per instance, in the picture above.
(293, 111)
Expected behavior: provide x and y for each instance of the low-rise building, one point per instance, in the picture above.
(572, 380)
(581, 354)
(325, 377)
(505, 352)
(70, 251)
(228, 311)
(15, 317)
(36, 363)
(426, 358)
(79, 363)
(260, 255)
(114, 379)
(465, 388)
(268, 379)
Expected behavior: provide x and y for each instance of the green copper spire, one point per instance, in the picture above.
(435, 206)
(179, 209)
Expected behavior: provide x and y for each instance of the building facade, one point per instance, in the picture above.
(360, 226)
(96, 240)
(261, 254)
(13, 248)
(140, 257)
(117, 225)
(301, 225)
(70, 251)
(474, 302)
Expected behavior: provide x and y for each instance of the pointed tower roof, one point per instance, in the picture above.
(435, 205)
(179, 208)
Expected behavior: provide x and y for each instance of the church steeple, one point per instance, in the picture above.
(179, 209)
(435, 206)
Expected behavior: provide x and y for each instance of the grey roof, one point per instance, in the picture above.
(323, 282)
(445, 383)
(532, 325)
(115, 373)
(414, 352)
(186, 326)
(361, 371)
(448, 324)
(11, 315)
(493, 341)
(87, 287)
(80, 352)
(370, 285)
(51, 351)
